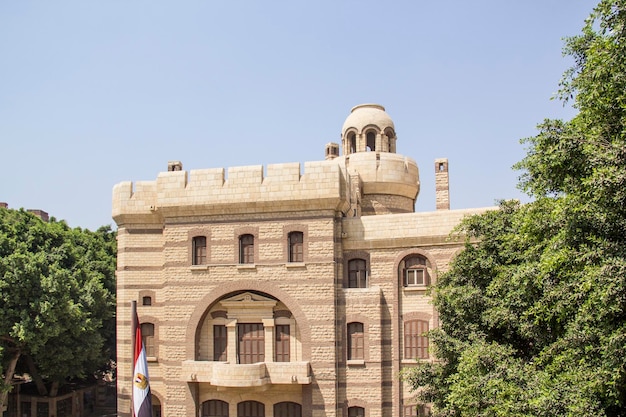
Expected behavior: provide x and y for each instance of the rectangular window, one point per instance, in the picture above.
(415, 277)
(64, 407)
(26, 407)
(415, 339)
(356, 341)
(357, 273)
(251, 342)
(199, 250)
(246, 249)
(410, 411)
(42, 409)
(296, 247)
(220, 343)
(414, 271)
(282, 343)
(147, 336)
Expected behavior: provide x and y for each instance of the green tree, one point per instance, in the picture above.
(57, 300)
(533, 311)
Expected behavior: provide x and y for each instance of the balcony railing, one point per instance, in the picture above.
(225, 374)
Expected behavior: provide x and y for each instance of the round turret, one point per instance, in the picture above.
(380, 181)
(368, 128)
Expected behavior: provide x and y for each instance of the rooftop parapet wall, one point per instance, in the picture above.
(137, 200)
(406, 225)
(243, 190)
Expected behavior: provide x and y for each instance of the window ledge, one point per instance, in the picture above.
(246, 266)
(199, 267)
(416, 288)
(414, 361)
(151, 359)
(295, 265)
(355, 362)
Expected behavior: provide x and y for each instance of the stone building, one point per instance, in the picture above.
(285, 291)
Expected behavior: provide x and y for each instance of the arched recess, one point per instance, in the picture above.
(205, 304)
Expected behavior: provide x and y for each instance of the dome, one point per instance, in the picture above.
(365, 115)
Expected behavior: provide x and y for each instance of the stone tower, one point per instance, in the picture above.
(380, 181)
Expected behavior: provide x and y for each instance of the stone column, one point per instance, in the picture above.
(231, 350)
(268, 328)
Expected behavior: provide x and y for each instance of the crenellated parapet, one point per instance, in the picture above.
(369, 179)
(237, 190)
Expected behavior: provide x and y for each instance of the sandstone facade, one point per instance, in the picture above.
(283, 291)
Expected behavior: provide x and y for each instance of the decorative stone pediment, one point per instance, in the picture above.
(249, 306)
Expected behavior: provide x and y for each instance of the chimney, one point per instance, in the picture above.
(39, 213)
(332, 151)
(174, 166)
(442, 184)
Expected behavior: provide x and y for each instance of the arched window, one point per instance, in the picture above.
(246, 249)
(287, 409)
(198, 250)
(214, 408)
(352, 142)
(296, 246)
(356, 412)
(250, 409)
(357, 273)
(414, 271)
(147, 337)
(356, 341)
(371, 141)
(416, 339)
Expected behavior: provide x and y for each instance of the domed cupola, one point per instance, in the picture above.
(368, 128)
(380, 181)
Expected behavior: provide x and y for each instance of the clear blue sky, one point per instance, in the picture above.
(93, 93)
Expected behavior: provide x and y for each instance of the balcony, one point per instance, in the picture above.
(225, 374)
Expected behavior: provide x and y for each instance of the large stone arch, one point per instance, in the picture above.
(204, 305)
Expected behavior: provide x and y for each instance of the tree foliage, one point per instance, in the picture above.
(57, 301)
(534, 314)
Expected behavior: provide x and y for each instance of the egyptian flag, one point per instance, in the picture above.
(142, 399)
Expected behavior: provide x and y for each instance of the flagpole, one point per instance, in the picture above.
(133, 332)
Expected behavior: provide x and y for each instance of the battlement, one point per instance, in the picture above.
(245, 189)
